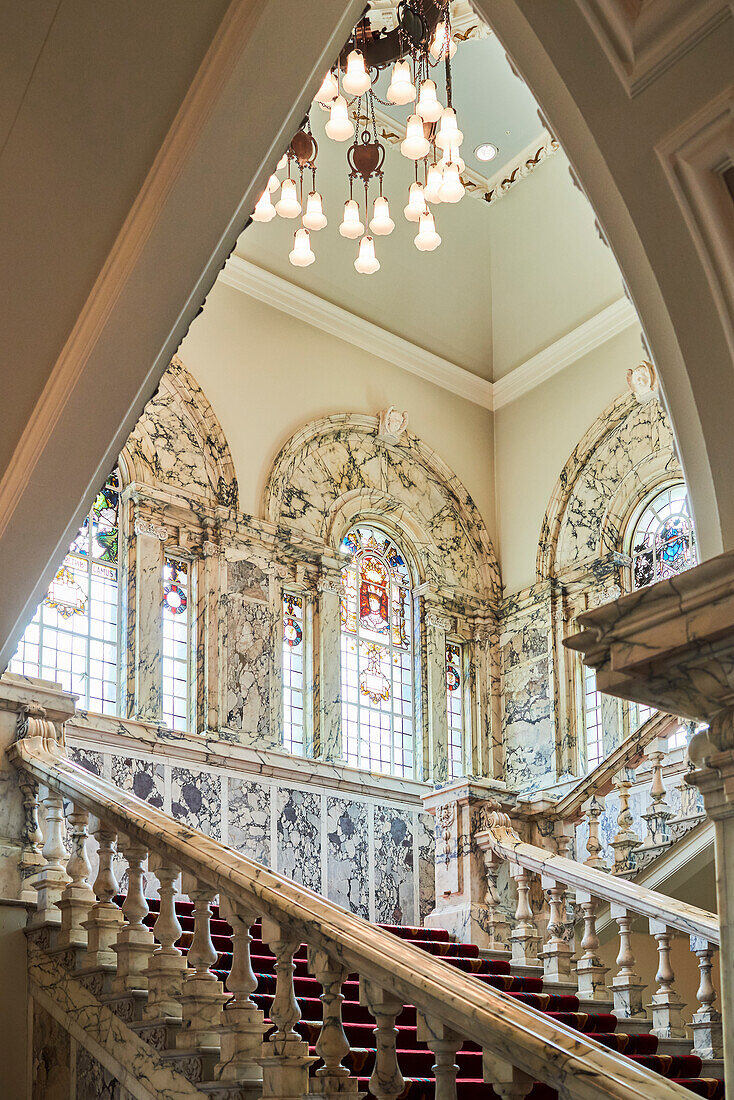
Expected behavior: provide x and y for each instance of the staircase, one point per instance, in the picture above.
(415, 1059)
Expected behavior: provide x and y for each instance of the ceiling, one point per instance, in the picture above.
(439, 301)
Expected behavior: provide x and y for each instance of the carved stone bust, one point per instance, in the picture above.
(393, 423)
(643, 381)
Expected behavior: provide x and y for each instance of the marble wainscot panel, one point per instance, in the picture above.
(526, 661)
(249, 646)
(51, 1071)
(93, 1081)
(426, 850)
(347, 855)
(298, 815)
(196, 799)
(394, 866)
(145, 778)
(249, 819)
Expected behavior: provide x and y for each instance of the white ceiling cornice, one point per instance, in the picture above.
(302, 304)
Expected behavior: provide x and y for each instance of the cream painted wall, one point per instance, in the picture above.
(534, 437)
(549, 269)
(267, 374)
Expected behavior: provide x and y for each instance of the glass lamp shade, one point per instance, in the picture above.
(415, 144)
(432, 190)
(451, 156)
(264, 210)
(328, 91)
(282, 162)
(381, 223)
(438, 43)
(402, 88)
(416, 203)
(302, 255)
(314, 218)
(426, 239)
(448, 130)
(356, 80)
(351, 225)
(428, 106)
(288, 205)
(339, 127)
(367, 263)
(273, 184)
(452, 189)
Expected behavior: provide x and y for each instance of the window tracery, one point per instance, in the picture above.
(455, 708)
(663, 542)
(177, 622)
(293, 671)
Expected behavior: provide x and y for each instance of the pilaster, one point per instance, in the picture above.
(145, 624)
(437, 625)
(327, 666)
(211, 576)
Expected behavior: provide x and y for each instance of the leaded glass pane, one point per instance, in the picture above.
(593, 722)
(176, 611)
(455, 708)
(663, 542)
(293, 647)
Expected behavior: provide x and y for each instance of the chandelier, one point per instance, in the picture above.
(418, 48)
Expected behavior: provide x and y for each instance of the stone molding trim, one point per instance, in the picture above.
(335, 471)
(147, 527)
(625, 453)
(644, 38)
(178, 443)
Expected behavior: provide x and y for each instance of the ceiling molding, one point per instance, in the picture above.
(305, 306)
(617, 317)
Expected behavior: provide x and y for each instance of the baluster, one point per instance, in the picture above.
(593, 810)
(706, 1024)
(386, 1082)
(667, 1007)
(31, 855)
(590, 970)
(497, 922)
(625, 842)
(509, 1082)
(627, 985)
(445, 1045)
(202, 994)
(166, 966)
(556, 951)
(52, 877)
(285, 1058)
(135, 942)
(332, 1078)
(524, 937)
(242, 1022)
(658, 814)
(105, 918)
(78, 896)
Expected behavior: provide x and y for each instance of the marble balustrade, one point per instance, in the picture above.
(221, 1033)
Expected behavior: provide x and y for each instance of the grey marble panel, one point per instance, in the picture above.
(87, 758)
(93, 1081)
(426, 865)
(246, 578)
(347, 855)
(299, 836)
(249, 819)
(196, 799)
(249, 653)
(394, 871)
(144, 778)
(51, 1070)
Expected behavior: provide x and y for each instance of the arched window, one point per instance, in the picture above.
(378, 705)
(72, 638)
(662, 542)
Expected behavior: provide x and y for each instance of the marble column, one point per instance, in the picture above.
(211, 583)
(671, 646)
(327, 692)
(485, 722)
(145, 634)
(436, 726)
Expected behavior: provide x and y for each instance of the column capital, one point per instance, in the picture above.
(147, 527)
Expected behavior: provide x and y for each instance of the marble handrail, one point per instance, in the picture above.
(508, 1032)
(504, 841)
(599, 781)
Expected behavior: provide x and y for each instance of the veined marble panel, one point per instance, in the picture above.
(196, 799)
(144, 778)
(249, 819)
(426, 834)
(394, 870)
(298, 815)
(249, 656)
(93, 1081)
(87, 758)
(347, 855)
(51, 1072)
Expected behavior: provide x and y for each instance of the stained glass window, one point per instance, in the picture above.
(72, 638)
(377, 654)
(176, 610)
(663, 540)
(293, 649)
(455, 708)
(592, 720)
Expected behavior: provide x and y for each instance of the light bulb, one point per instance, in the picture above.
(428, 106)
(427, 238)
(301, 256)
(438, 42)
(273, 184)
(282, 162)
(367, 263)
(351, 226)
(451, 156)
(356, 79)
(416, 144)
(328, 91)
(314, 218)
(339, 127)
(381, 223)
(402, 88)
(264, 210)
(448, 130)
(433, 184)
(452, 189)
(416, 203)
(288, 205)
